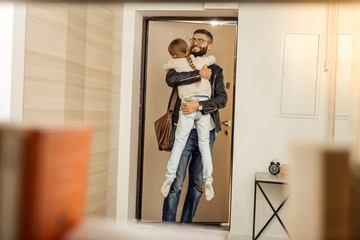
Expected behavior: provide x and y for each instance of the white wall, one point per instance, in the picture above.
(343, 74)
(18, 62)
(6, 32)
(260, 133)
(12, 49)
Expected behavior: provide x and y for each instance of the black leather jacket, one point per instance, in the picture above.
(218, 94)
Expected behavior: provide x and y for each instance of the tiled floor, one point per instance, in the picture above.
(219, 232)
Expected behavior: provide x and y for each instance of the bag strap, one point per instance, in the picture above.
(173, 100)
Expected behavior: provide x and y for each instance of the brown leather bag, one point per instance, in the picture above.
(164, 126)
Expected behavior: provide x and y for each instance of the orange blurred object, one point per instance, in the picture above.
(284, 170)
(52, 178)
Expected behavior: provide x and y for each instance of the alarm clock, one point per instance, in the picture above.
(274, 167)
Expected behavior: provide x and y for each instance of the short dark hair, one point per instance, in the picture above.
(206, 32)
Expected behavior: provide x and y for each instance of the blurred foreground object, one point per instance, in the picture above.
(284, 170)
(104, 229)
(43, 178)
(323, 194)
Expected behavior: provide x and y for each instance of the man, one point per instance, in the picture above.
(200, 44)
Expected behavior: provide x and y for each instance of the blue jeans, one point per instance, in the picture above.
(194, 191)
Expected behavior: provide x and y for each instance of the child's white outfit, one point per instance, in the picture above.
(186, 122)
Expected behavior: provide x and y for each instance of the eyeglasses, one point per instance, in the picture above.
(199, 40)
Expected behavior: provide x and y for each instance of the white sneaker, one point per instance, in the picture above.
(209, 191)
(166, 187)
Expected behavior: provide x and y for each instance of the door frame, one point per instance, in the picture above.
(142, 106)
(129, 88)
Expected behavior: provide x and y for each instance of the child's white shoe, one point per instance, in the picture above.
(166, 187)
(209, 191)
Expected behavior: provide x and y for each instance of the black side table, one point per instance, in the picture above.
(263, 177)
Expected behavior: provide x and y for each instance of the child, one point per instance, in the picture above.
(200, 91)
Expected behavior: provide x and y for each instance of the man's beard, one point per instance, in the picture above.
(202, 51)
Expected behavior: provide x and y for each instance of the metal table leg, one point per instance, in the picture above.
(275, 212)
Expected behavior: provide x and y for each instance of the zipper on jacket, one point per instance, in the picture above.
(213, 86)
(211, 110)
(189, 78)
(214, 81)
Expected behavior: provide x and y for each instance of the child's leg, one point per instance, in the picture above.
(183, 128)
(203, 129)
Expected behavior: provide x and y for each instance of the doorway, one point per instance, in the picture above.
(158, 33)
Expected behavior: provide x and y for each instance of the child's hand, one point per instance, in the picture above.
(205, 72)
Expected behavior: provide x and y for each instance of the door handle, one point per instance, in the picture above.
(227, 123)
(227, 85)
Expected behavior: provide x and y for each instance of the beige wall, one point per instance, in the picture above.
(72, 75)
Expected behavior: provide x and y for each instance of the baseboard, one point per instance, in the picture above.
(235, 236)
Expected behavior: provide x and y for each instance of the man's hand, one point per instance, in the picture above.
(205, 72)
(190, 106)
